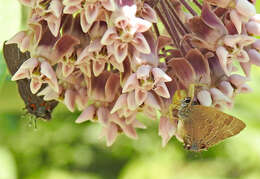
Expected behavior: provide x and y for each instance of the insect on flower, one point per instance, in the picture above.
(34, 104)
(201, 127)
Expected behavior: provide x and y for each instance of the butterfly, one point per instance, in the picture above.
(34, 104)
(201, 127)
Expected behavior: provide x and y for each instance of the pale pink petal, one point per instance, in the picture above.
(120, 103)
(81, 98)
(49, 94)
(237, 80)
(143, 72)
(226, 88)
(236, 20)
(246, 67)
(87, 114)
(204, 98)
(69, 99)
(160, 76)
(256, 45)
(67, 69)
(222, 54)
(245, 88)
(35, 85)
(131, 83)
(253, 28)
(112, 87)
(167, 128)
(218, 96)
(17, 38)
(245, 8)
(162, 90)
(255, 18)
(139, 25)
(109, 37)
(98, 67)
(71, 9)
(242, 56)
(152, 101)
(103, 115)
(111, 133)
(109, 4)
(115, 63)
(25, 44)
(84, 23)
(148, 13)
(131, 101)
(47, 71)
(140, 43)
(54, 24)
(138, 124)
(140, 96)
(254, 57)
(130, 131)
(71, 2)
(120, 51)
(56, 7)
(91, 12)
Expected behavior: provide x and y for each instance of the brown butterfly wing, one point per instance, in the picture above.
(34, 104)
(206, 126)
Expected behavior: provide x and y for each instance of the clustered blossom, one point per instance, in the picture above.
(109, 59)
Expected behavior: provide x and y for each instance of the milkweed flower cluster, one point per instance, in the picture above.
(109, 59)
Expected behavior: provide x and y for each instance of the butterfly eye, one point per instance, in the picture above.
(188, 147)
(187, 100)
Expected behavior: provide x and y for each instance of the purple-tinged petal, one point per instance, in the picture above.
(236, 20)
(87, 114)
(65, 44)
(138, 124)
(160, 76)
(71, 9)
(237, 80)
(120, 103)
(35, 85)
(81, 98)
(112, 87)
(200, 65)
(128, 129)
(69, 99)
(242, 56)
(54, 24)
(162, 90)
(49, 94)
(131, 83)
(152, 101)
(204, 98)
(254, 57)
(25, 44)
(71, 2)
(119, 66)
(140, 96)
(226, 88)
(183, 70)
(140, 43)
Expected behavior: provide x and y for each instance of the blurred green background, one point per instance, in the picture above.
(61, 149)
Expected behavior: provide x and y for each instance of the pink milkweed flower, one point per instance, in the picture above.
(146, 78)
(39, 71)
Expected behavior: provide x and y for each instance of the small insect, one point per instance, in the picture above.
(201, 127)
(34, 104)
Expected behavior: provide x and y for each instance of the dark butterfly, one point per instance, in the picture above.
(34, 104)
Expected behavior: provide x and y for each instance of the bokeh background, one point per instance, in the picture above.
(61, 149)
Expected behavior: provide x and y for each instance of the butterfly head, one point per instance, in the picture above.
(195, 147)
